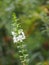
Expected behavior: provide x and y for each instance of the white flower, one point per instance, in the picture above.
(23, 35)
(14, 39)
(20, 37)
(13, 33)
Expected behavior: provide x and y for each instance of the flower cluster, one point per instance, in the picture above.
(18, 37)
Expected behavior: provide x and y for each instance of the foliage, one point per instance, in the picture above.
(33, 17)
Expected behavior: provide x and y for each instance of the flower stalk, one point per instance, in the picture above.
(18, 37)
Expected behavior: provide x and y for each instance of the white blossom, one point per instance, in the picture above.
(14, 39)
(20, 37)
(13, 33)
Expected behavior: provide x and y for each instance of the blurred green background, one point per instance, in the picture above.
(33, 16)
